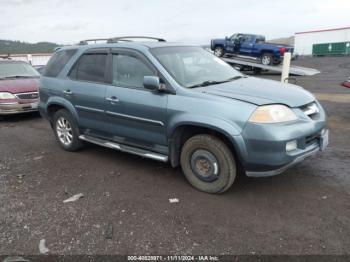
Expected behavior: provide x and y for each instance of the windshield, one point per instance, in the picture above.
(14, 69)
(194, 66)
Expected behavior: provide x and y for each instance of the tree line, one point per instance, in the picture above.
(18, 47)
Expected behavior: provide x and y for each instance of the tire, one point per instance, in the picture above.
(219, 51)
(267, 59)
(66, 131)
(208, 164)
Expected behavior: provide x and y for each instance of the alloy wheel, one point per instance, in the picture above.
(64, 131)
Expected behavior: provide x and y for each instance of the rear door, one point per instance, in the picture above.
(137, 116)
(246, 47)
(87, 89)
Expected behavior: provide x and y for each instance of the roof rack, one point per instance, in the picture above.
(86, 42)
(118, 39)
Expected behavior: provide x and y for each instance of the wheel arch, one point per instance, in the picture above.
(55, 104)
(266, 51)
(218, 45)
(183, 131)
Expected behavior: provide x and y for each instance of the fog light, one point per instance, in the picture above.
(291, 145)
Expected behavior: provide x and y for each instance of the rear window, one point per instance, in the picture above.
(90, 68)
(58, 61)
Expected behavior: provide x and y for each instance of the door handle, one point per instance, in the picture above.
(67, 92)
(112, 99)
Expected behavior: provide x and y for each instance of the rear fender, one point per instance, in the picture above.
(56, 100)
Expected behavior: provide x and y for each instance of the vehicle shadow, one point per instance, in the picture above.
(170, 178)
(19, 117)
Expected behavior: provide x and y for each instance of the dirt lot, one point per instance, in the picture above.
(306, 210)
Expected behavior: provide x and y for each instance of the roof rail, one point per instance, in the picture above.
(126, 38)
(86, 42)
(119, 38)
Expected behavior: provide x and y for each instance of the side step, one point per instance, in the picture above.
(125, 148)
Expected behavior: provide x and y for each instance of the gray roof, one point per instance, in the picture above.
(134, 45)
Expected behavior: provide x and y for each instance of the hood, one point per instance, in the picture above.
(19, 85)
(260, 92)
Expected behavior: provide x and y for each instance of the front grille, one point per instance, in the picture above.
(32, 95)
(311, 110)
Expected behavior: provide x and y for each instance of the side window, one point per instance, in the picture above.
(128, 71)
(58, 61)
(90, 67)
(246, 38)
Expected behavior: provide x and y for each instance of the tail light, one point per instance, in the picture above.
(282, 50)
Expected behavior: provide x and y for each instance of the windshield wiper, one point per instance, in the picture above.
(208, 83)
(17, 76)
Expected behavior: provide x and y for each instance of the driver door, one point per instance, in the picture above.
(137, 116)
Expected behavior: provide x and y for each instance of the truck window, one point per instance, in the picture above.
(246, 38)
(260, 39)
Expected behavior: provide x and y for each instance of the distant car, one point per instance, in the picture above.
(19, 83)
(252, 46)
(346, 83)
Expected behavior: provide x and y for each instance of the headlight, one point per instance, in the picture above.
(6, 95)
(272, 114)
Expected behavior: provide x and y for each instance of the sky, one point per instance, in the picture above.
(192, 21)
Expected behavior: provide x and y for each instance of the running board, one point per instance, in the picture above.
(125, 148)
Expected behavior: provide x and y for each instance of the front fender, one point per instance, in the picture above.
(217, 124)
(229, 129)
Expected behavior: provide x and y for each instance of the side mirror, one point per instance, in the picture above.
(151, 83)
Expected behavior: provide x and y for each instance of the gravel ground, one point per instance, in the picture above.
(126, 209)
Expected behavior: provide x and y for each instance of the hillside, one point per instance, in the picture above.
(18, 47)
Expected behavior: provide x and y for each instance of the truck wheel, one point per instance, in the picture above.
(267, 59)
(208, 164)
(219, 51)
(66, 131)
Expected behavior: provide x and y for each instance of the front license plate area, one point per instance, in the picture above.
(324, 140)
(34, 105)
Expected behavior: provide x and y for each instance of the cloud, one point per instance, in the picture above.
(71, 26)
(195, 21)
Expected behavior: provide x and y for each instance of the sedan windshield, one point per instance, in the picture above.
(193, 66)
(17, 70)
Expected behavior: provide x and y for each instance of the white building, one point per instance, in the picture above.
(304, 40)
(34, 59)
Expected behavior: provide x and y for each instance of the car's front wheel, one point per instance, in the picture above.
(66, 131)
(219, 51)
(208, 163)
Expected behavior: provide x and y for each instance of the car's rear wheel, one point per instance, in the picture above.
(219, 51)
(66, 131)
(267, 59)
(208, 164)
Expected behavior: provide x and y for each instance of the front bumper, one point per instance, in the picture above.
(296, 160)
(262, 148)
(17, 108)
